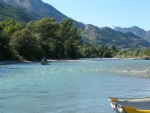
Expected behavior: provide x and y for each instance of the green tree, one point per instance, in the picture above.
(7, 28)
(47, 31)
(71, 37)
(10, 26)
(4, 46)
(26, 45)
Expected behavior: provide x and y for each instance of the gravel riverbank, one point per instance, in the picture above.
(13, 62)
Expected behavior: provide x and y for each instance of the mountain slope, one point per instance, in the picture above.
(41, 8)
(147, 36)
(108, 37)
(136, 31)
(38, 7)
(19, 14)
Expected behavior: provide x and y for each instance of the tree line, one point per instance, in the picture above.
(143, 53)
(46, 38)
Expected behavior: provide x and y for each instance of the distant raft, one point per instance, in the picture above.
(44, 62)
(132, 105)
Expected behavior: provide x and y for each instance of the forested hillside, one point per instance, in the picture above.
(39, 7)
(18, 13)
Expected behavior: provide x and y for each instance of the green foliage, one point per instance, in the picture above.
(47, 31)
(134, 53)
(58, 40)
(4, 47)
(5, 51)
(26, 44)
(47, 37)
(10, 26)
(97, 52)
(71, 38)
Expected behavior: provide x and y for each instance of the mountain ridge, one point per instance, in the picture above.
(108, 37)
(135, 30)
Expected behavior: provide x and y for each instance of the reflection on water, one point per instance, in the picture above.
(81, 86)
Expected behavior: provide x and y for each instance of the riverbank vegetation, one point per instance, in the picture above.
(47, 37)
(136, 53)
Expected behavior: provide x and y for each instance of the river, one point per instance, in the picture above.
(81, 86)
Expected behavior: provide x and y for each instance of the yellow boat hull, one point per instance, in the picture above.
(137, 105)
(134, 110)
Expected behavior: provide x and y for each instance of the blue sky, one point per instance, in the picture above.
(123, 13)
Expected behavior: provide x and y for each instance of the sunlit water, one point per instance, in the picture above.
(71, 87)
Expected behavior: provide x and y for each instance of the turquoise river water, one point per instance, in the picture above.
(81, 86)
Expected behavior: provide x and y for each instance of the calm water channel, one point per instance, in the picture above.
(81, 86)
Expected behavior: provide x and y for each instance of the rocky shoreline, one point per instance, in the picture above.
(13, 62)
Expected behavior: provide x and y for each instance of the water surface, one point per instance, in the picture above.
(71, 87)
